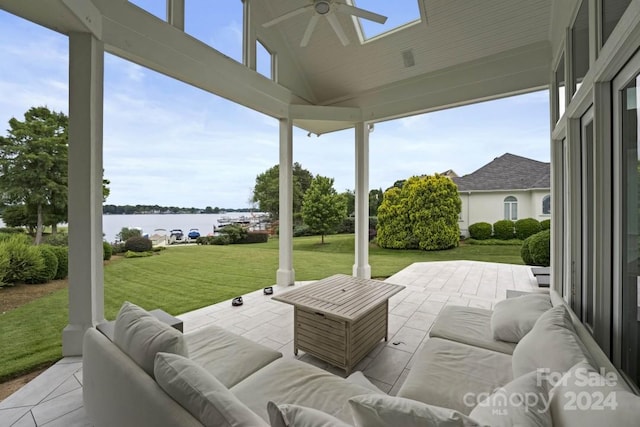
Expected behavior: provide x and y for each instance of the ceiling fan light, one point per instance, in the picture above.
(322, 7)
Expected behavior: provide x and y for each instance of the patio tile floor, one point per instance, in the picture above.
(54, 398)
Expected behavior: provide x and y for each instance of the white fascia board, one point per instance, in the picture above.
(88, 14)
(521, 70)
(139, 37)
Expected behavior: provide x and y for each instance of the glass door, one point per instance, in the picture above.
(626, 313)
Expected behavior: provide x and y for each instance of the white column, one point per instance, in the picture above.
(249, 55)
(286, 274)
(86, 287)
(361, 268)
(175, 13)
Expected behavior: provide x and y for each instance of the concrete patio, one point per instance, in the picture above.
(55, 397)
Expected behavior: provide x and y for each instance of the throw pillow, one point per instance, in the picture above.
(522, 402)
(513, 318)
(202, 394)
(300, 416)
(552, 346)
(380, 410)
(140, 335)
(583, 397)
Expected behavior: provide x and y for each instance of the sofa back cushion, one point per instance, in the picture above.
(140, 336)
(202, 394)
(286, 415)
(513, 318)
(380, 410)
(552, 346)
(583, 397)
(522, 402)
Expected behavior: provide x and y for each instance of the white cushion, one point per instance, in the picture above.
(140, 335)
(583, 397)
(359, 378)
(378, 410)
(300, 416)
(201, 393)
(513, 318)
(523, 401)
(552, 344)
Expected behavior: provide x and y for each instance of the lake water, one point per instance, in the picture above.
(112, 224)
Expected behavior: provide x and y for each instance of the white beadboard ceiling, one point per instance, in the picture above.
(454, 32)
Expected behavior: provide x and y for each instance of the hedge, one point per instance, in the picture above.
(48, 268)
(138, 244)
(106, 251)
(480, 231)
(545, 224)
(536, 249)
(527, 227)
(504, 229)
(62, 253)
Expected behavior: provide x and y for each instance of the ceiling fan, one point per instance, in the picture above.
(327, 9)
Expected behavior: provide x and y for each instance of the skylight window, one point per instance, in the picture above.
(398, 12)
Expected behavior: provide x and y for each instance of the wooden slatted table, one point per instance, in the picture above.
(341, 318)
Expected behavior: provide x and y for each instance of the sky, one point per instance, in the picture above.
(170, 144)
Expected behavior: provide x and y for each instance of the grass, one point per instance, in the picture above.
(181, 279)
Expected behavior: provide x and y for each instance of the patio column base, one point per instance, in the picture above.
(286, 277)
(362, 271)
(72, 336)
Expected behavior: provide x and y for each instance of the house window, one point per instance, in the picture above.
(511, 208)
(546, 205)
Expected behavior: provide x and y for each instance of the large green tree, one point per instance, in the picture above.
(33, 163)
(422, 214)
(266, 192)
(323, 209)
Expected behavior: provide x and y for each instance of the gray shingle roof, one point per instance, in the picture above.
(507, 172)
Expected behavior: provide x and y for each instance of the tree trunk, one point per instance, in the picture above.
(322, 239)
(54, 229)
(39, 226)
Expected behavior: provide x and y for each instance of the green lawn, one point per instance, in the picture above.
(181, 279)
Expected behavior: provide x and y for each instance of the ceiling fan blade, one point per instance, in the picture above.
(294, 12)
(307, 34)
(361, 13)
(335, 24)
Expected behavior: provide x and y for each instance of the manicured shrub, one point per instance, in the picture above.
(12, 230)
(235, 233)
(62, 253)
(24, 259)
(23, 238)
(347, 226)
(545, 224)
(304, 230)
(504, 229)
(49, 266)
(422, 214)
(221, 240)
(106, 251)
(494, 242)
(480, 231)
(540, 248)
(5, 261)
(203, 240)
(117, 248)
(256, 237)
(58, 239)
(527, 227)
(133, 254)
(138, 244)
(525, 253)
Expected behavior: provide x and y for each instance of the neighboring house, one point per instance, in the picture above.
(509, 187)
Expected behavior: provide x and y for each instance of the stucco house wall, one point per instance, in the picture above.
(484, 191)
(488, 206)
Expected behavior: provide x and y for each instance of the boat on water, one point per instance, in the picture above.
(176, 236)
(252, 222)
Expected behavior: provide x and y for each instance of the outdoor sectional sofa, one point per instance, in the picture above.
(151, 375)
